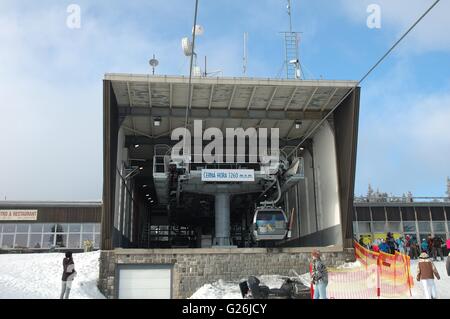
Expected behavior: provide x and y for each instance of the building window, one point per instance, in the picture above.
(364, 227)
(74, 241)
(9, 228)
(379, 227)
(36, 228)
(439, 227)
(21, 241)
(74, 228)
(409, 227)
(7, 241)
(394, 227)
(35, 240)
(48, 235)
(48, 240)
(424, 227)
(22, 228)
(49, 228)
(88, 228)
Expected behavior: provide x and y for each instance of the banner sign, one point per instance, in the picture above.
(228, 175)
(17, 214)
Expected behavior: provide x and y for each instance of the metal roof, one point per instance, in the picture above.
(224, 102)
(41, 204)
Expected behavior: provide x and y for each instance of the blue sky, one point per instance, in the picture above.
(51, 93)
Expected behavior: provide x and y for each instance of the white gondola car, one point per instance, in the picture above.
(269, 223)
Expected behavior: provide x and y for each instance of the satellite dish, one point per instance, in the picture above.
(199, 30)
(187, 46)
(154, 63)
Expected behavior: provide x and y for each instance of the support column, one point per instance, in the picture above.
(222, 212)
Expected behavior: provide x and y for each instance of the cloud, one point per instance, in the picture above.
(405, 145)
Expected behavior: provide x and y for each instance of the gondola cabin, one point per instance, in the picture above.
(269, 223)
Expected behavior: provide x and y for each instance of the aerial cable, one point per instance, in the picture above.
(363, 78)
(188, 106)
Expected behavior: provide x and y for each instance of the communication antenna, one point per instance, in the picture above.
(188, 49)
(245, 59)
(291, 43)
(154, 63)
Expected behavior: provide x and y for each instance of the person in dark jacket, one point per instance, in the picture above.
(68, 275)
(437, 248)
(391, 243)
(319, 276)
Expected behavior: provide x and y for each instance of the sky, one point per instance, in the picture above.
(51, 80)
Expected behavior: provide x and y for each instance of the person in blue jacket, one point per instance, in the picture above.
(384, 247)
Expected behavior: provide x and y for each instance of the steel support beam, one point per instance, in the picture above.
(197, 113)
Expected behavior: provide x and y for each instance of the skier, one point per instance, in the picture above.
(319, 276)
(426, 271)
(68, 276)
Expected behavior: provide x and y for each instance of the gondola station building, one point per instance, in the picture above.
(243, 182)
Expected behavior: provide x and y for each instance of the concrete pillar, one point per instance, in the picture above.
(222, 212)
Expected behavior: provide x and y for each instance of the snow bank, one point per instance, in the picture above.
(230, 290)
(352, 265)
(38, 276)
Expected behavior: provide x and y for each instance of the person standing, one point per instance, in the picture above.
(68, 275)
(437, 248)
(426, 271)
(430, 244)
(407, 246)
(390, 241)
(319, 276)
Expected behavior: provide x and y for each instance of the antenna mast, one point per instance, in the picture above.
(245, 54)
(291, 42)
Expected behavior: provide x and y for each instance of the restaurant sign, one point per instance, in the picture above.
(17, 214)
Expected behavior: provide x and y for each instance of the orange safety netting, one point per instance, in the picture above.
(379, 276)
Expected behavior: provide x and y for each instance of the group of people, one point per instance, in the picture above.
(409, 245)
(433, 246)
(388, 245)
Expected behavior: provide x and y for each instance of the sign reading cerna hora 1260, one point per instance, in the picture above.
(18, 214)
(228, 175)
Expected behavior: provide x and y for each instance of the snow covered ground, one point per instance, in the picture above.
(38, 276)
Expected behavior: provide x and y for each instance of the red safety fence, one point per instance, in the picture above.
(379, 276)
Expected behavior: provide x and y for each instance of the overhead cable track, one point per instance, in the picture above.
(363, 78)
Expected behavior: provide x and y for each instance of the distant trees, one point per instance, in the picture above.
(383, 197)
